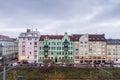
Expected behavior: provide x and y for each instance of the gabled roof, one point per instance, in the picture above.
(53, 37)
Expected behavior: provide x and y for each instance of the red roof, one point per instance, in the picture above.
(52, 37)
(14, 39)
(5, 37)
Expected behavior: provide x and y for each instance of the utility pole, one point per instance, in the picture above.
(4, 69)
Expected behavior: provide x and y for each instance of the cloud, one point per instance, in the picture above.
(51, 16)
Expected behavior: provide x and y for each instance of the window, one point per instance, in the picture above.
(68, 57)
(68, 53)
(23, 50)
(35, 56)
(29, 35)
(81, 42)
(59, 57)
(58, 43)
(60, 53)
(30, 43)
(76, 49)
(85, 42)
(29, 38)
(85, 53)
(51, 53)
(35, 43)
(109, 53)
(51, 57)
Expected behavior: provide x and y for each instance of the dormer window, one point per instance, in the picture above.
(102, 38)
(81, 42)
(29, 35)
(35, 35)
(97, 38)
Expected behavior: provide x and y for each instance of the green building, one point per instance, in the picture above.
(58, 48)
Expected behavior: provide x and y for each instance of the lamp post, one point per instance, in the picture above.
(4, 68)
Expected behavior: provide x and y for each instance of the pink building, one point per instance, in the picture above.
(28, 46)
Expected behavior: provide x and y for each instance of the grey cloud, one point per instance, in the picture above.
(51, 16)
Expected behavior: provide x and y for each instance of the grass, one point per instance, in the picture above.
(54, 73)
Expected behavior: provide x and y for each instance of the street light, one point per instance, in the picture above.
(4, 68)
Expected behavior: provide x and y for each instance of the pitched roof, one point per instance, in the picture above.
(113, 41)
(52, 37)
(3, 37)
(97, 37)
(76, 37)
(92, 37)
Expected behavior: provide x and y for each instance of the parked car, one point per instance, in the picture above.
(116, 65)
(64, 64)
(15, 64)
(49, 64)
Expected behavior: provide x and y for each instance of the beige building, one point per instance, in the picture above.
(89, 48)
(113, 50)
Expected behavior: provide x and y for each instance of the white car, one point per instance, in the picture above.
(49, 64)
(116, 65)
(15, 64)
(64, 64)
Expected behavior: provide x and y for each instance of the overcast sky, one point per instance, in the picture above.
(59, 16)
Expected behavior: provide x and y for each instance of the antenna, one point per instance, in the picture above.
(36, 29)
(56, 33)
(32, 27)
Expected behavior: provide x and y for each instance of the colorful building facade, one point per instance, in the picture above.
(60, 48)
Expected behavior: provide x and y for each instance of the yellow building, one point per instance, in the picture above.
(113, 50)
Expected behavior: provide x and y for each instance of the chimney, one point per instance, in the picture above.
(28, 30)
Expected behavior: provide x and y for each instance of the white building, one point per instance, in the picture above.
(28, 46)
(7, 47)
(113, 50)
